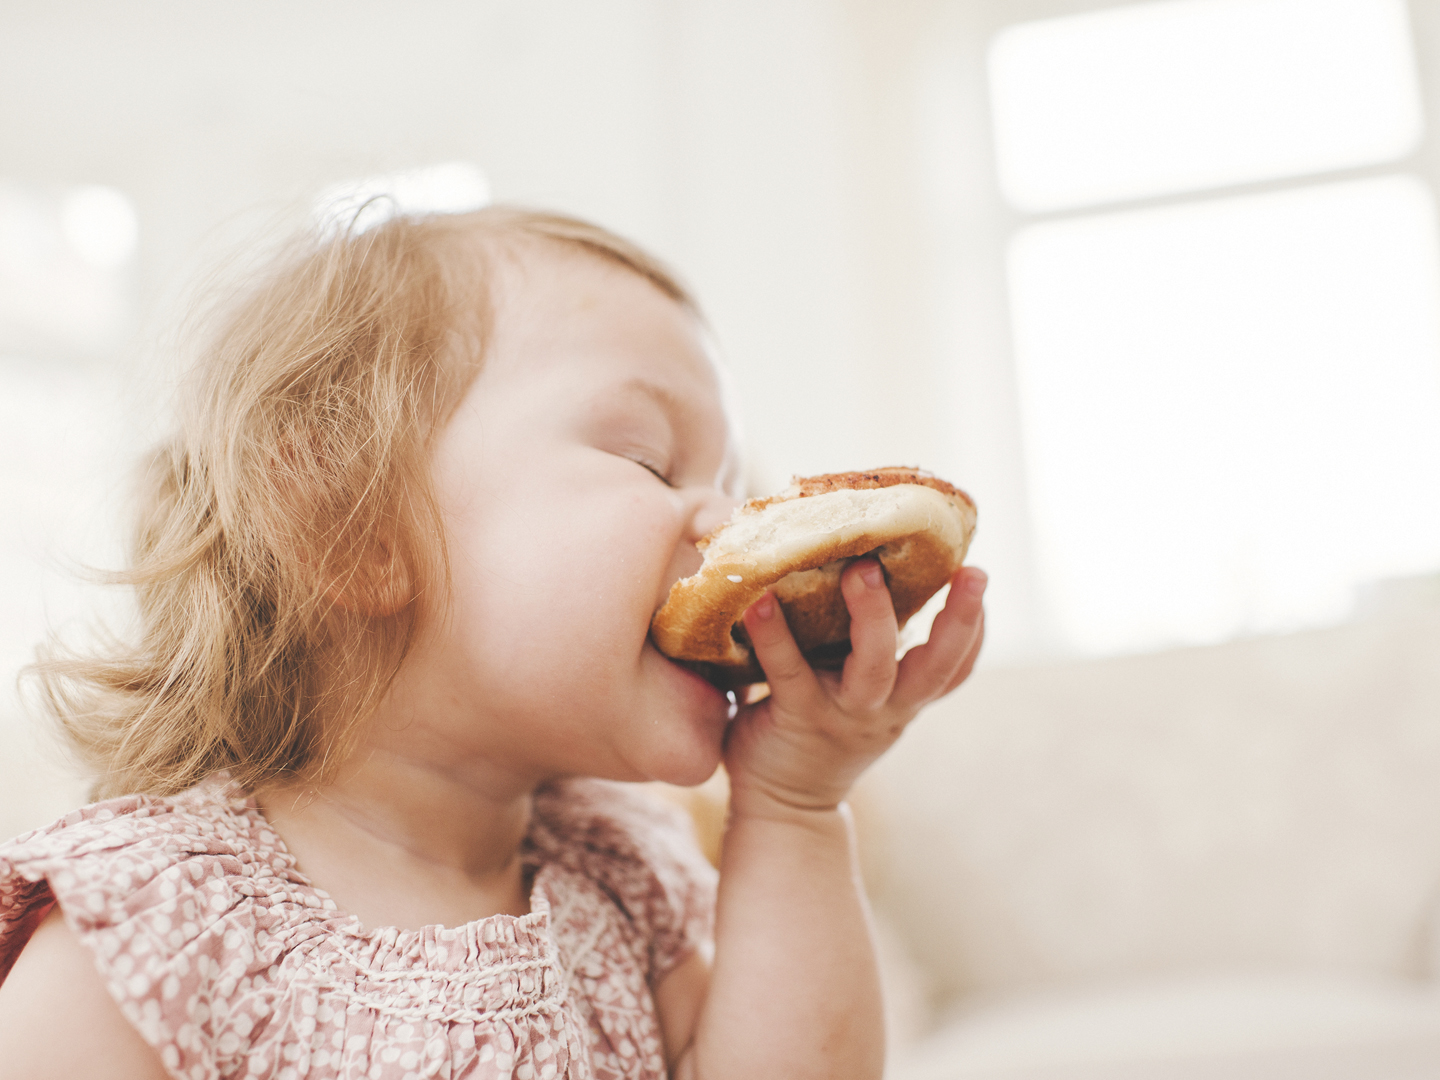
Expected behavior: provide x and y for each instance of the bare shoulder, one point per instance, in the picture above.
(58, 1020)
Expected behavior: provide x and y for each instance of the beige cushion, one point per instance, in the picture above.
(1217, 1028)
(1274, 802)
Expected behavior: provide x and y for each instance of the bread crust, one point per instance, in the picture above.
(798, 543)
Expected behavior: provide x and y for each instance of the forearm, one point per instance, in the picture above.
(795, 991)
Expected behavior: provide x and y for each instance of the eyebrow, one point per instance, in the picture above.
(662, 396)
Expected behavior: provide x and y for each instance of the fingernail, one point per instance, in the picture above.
(975, 581)
(764, 608)
(872, 575)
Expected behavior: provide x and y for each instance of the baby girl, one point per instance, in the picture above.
(395, 578)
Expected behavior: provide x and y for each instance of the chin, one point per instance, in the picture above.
(689, 773)
(680, 722)
(684, 765)
(690, 743)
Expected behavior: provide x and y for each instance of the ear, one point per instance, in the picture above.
(378, 586)
(369, 577)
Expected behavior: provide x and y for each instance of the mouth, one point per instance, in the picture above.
(722, 679)
(712, 676)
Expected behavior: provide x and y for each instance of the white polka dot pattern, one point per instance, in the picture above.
(231, 964)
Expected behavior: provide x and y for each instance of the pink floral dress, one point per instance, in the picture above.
(231, 964)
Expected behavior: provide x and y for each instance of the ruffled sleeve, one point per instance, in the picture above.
(185, 919)
(73, 858)
(643, 853)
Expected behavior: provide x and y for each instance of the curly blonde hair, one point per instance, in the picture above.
(289, 543)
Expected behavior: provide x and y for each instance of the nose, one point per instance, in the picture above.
(712, 509)
(706, 509)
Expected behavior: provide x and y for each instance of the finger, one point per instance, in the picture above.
(968, 664)
(930, 670)
(945, 661)
(869, 673)
(786, 670)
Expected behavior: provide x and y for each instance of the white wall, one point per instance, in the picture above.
(714, 134)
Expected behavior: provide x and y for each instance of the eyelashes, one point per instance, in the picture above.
(653, 471)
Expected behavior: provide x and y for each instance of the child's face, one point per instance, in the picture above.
(564, 542)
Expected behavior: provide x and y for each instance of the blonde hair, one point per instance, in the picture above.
(288, 542)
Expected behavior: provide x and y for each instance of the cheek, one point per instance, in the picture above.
(567, 586)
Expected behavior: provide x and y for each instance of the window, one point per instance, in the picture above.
(1224, 297)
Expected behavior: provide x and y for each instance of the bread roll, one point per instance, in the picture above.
(798, 543)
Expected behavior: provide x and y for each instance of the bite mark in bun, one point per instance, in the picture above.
(798, 543)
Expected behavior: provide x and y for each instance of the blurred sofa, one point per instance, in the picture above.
(1206, 863)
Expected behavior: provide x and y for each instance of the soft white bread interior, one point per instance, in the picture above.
(798, 543)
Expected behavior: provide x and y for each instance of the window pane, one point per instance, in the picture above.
(1187, 94)
(1231, 409)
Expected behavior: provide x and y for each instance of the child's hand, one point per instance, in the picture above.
(805, 744)
(795, 990)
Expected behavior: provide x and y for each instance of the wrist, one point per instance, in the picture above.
(759, 802)
(815, 842)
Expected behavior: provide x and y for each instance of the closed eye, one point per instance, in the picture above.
(653, 471)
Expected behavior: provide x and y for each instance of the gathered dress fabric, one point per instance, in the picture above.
(230, 963)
